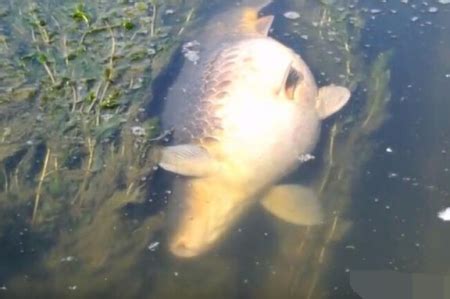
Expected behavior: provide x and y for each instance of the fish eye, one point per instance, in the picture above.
(292, 80)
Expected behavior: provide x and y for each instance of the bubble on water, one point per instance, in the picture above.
(433, 9)
(72, 288)
(291, 15)
(3, 288)
(414, 19)
(389, 150)
(444, 1)
(375, 10)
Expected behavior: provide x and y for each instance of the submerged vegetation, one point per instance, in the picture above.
(76, 145)
(75, 136)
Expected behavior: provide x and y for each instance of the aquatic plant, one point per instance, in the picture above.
(75, 138)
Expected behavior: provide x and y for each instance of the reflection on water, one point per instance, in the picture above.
(83, 211)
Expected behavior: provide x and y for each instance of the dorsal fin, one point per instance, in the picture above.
(256, 4)
(252, 24)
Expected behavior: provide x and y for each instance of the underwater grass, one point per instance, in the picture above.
(78, 83)
(75, 139)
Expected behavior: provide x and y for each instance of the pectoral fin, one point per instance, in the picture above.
(187, 159)
(294, 204)
(331, 99)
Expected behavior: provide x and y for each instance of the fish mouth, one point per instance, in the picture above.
(187, 246)
(183, 250)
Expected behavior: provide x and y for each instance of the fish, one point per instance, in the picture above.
(242, 116)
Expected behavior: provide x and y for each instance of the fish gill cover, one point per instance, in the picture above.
(76, 150)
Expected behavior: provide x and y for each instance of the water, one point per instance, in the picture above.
(99, 229)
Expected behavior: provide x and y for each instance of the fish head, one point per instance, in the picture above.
(274, 70)
(203, 215)
(277, 72)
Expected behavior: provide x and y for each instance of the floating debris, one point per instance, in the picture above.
(3, 288)
(68, 259)
(138, 131)
(107, 116)
(191, 51)
(153, 246)
(433, 9)
(306, 157)
(444, 214)
(291, 15)
(72, 288)
(444, 1)
(392, 175)
(389, 150)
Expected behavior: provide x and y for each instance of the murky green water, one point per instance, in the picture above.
(83, 211)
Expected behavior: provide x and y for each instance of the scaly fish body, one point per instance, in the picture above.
(247, 114)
